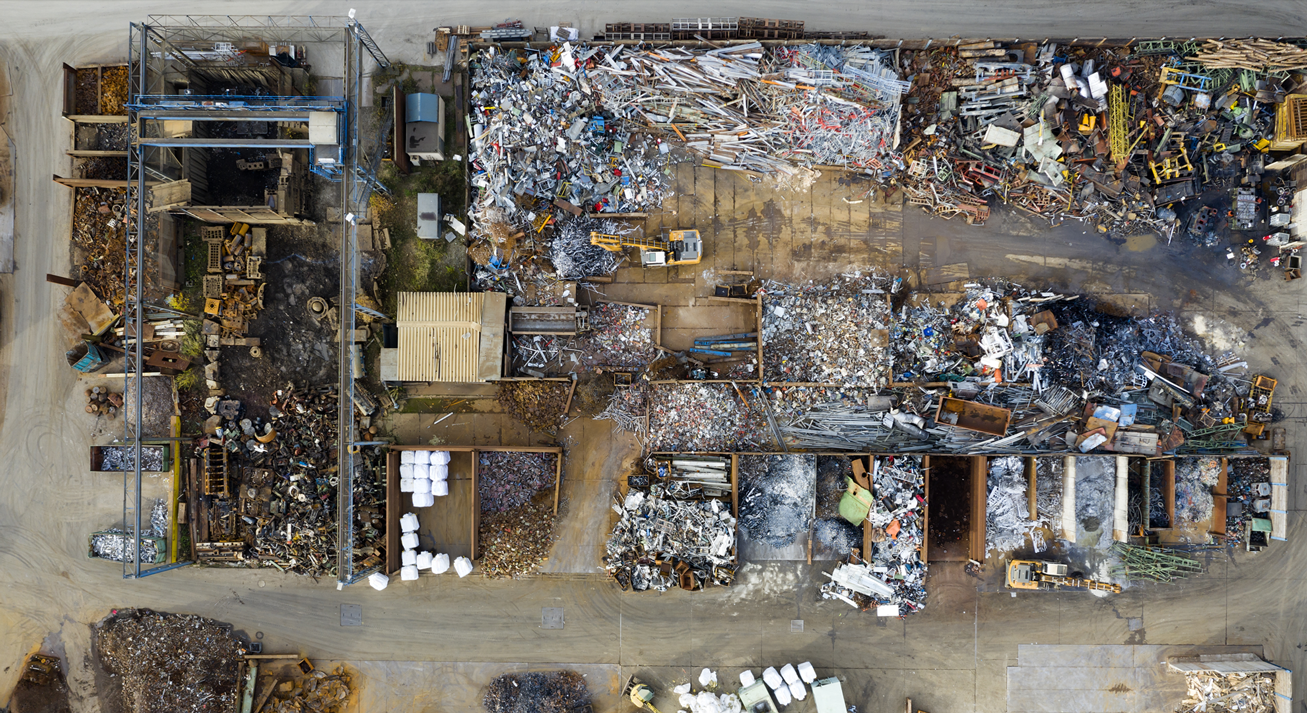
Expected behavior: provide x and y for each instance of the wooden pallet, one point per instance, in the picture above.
(215, 472)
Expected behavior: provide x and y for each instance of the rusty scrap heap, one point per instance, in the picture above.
(169, 663)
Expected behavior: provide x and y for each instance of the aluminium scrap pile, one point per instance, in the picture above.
(619, 336)
(834, 333)
(659, 542)
(1007, 510)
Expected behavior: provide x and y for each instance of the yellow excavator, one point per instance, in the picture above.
(673, 247)
(1050, 576)
(640, 694)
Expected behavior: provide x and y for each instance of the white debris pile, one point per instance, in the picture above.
(1209, 692)
(1095, 497)
(1007, 509)
(574, 257)
(833, 333)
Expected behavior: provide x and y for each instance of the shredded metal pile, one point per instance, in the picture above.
(627, 409)
(693, 417)
(169, 663)
(699, 534)
(515, 542)
(1209, 692)
(538, 404)
(574, 257)
(777, 497)
(509, 479)
(834, 333)
(537, 692)
(115, 544)
(619, 336)
(1007, 509)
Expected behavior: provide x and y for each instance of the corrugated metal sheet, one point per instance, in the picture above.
(441, 335)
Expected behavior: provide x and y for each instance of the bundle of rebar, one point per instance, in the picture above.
(1135, 563)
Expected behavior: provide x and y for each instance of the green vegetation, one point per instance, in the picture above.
(414, 264)
(188, 379)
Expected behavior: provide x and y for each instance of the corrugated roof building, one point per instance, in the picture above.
(451, 336)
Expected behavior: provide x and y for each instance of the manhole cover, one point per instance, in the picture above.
(1135, 623)
(796, 626)
(551, 617)
(351, 615)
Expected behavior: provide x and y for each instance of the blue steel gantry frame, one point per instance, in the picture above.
(161, 55)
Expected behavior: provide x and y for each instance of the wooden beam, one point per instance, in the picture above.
(97, 118)
(94, 182)
(61, 280)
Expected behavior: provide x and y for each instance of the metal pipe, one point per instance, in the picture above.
(1069, 498)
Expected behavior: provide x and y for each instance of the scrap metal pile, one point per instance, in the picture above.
(693, 417)
(1249, 489)
(115, 544)
(1210, 692)
(660, 542)
(538, 404)
(98, 236)
(777, 497)
(1118, 138)
(515, 542)
(537, 692)
(166, 663)
(269, 487)
(560, 132)
(517, 528)
(619, 336)
(835, 333)
(319, 692)
(509, 479)
(1007, 510)
(892, 577)
(1194, 480)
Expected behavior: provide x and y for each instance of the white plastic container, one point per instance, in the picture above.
(408, 574)
(405, 485)
(439, 489)
(421, 486)
(423, 560)
(807, 673)
(423, 500)
(747, 679)
(463, 566)
(440, 563)
(439, 457)
(378, 581)
(405, 470)
(798, 691)
(438, 471)
(772, 678)
(421, 470)
(406, 457)
(421, 457)
(783, 697)
(408, 522)
(408, 558)
(789, 674)
(409, 540)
